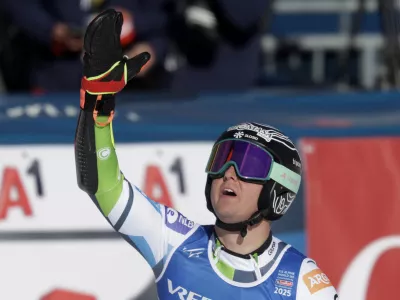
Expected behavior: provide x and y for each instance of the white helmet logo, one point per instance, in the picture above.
(238, 135)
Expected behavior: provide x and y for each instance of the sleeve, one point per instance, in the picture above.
(151, 228)
(31, 17)
(314, 284)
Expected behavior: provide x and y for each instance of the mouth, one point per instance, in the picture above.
(228, 192)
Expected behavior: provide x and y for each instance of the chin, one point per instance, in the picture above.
(228, 216)
(228, 210)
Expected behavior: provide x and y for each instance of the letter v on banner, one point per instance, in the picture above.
(352, 197)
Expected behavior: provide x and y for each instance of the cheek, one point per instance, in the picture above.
(253, 191)
(215, 187)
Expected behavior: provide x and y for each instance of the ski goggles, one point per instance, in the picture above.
(251, 162)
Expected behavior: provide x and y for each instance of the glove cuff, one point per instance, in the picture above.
(98, 105)
(110, 82)
(98, 92)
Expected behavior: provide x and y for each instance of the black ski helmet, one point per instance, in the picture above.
(275, 199)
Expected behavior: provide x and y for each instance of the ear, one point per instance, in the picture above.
(282, 202)
(275, 200)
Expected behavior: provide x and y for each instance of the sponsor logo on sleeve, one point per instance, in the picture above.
(104, 153)
(316, 280)
(177, 222)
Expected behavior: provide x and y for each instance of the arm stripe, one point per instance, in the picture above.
(127, 209)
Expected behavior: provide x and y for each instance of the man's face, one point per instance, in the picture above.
(234, 200)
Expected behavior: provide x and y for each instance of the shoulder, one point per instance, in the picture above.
(312, 282)
(289, 254)
(178, 224)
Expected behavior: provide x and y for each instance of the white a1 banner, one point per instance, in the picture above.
(39, 188)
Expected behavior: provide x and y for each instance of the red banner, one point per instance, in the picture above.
(352, 189)
(60, 294)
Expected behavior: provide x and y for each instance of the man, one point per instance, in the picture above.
(253, 177)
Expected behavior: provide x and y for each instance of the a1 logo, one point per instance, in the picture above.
(155, 184)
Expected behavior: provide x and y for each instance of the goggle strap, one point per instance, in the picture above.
(285, 177)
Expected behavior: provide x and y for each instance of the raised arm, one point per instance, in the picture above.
(140, 220)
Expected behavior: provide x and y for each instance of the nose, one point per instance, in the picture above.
(230, 173)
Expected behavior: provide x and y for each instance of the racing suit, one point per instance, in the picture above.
(187, 259)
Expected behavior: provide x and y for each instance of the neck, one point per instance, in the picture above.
(256, 236)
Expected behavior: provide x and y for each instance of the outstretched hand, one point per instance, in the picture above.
(105, 68)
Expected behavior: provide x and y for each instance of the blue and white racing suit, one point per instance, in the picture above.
(187, 259)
